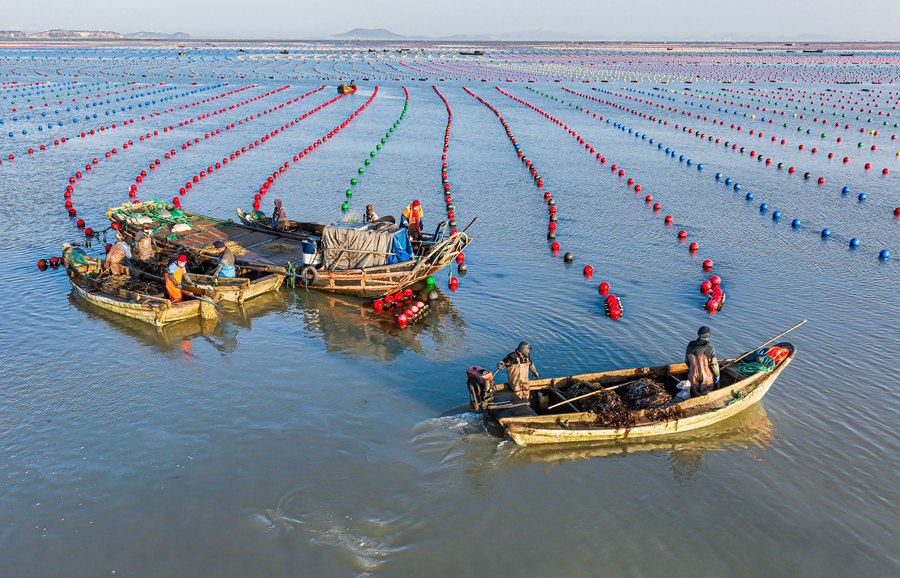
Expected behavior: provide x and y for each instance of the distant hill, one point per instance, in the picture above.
(59, 33)
(157, 36)
(371, 34)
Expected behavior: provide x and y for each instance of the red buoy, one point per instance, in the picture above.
(604, 289)
(715, 280)
(588, 271)
(705, 287)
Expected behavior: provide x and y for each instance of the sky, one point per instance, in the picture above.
(716, 20)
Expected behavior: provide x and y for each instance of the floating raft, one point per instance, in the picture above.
(260, 248)
(528, 422)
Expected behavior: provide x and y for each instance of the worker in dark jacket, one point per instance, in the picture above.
(225, 266)
(279, 216)
(518, 365)
(703, 367)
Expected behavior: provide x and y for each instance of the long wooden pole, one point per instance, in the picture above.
(589, 394)
(733, 361)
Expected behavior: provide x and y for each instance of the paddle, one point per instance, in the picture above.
(733, 361)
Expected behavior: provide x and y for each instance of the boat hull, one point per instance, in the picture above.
(702, 411)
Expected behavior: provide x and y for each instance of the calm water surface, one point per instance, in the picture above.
(303, 435)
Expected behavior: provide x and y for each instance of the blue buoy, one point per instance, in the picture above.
(749, 196)
(795, 223)
(884, 255)
(718, 176)
(668, 150)
(763, 207)
(846, 189)
(854, 242)
(699, 166)
(776, 215)
(681, 158)
(826, 232)
(737, 186)
(861, 197)
(729, 180)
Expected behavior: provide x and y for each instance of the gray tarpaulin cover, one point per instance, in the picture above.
(355, 245)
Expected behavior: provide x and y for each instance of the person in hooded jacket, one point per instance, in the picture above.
(703, 366)
(518, 366)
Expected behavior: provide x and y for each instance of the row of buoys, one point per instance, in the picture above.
(814, 150)
(588, 270)
(854, 242)
(461, 267)
(128, 145)
(210, 134)
(102, 128)
(682, 235)
(300, 155)
(345, 207)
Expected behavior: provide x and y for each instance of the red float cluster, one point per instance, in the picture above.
(445, 181)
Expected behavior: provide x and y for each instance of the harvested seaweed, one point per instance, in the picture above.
(645, 394)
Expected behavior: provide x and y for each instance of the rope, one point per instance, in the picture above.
(763, 364)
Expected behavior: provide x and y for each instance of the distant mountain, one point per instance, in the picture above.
(58, 33)
(371, 34)
(157, 36)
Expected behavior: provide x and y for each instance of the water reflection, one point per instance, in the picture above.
(750, 430)
(347, 325)
(350, 327)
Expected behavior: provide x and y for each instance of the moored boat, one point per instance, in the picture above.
(554, 415)
(366, 260)
(128, 296)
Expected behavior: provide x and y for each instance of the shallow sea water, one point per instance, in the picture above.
(303, 435)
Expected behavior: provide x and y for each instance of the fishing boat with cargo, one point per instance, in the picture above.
(128, 295)
(361, 259)
(639, 402)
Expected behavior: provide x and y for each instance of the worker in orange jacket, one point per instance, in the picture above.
(412, 219)
(176, 276)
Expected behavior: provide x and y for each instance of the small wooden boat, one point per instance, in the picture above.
(532, 421)
(112, 294)
(248, 285)
(263, 249)
(346, 88)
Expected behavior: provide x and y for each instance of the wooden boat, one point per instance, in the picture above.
(264, 249)
(248, 285)
(346, 88)
(103, 292)
(532, 422)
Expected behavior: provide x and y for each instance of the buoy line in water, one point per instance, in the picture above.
(852, 242)
(354, 181)
(461, 267)
(102, 128)
(300, 155)
(612, 303)
(129, 145)
(693, 247)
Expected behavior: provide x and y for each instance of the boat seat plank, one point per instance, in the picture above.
(517, 407)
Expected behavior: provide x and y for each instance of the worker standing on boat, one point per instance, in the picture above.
(279, 217)
(412, 219)
(518, 365)
(117, 253)
(225, 266)
(370, 216)
(176, 276)
(703, 367)
(144, 243)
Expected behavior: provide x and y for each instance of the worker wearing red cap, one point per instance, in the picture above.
(412, 219)
(176, 276)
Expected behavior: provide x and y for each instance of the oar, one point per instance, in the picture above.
(732, 362)
(589, 394)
